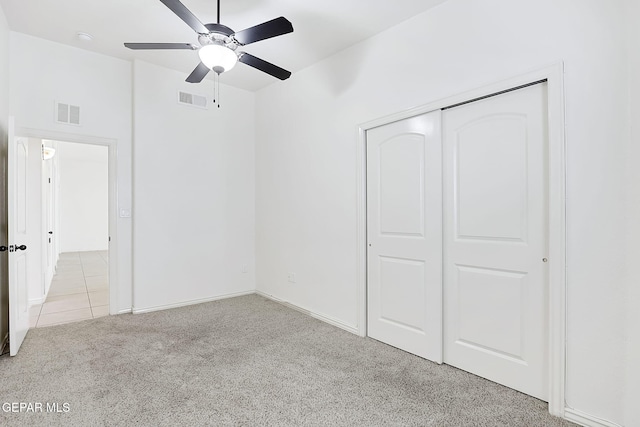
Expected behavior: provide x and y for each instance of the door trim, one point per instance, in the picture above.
(554, 76)
(112, 145)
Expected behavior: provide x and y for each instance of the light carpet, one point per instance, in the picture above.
(244, 361)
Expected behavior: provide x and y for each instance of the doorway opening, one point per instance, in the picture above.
(30, 265)
(75, 230)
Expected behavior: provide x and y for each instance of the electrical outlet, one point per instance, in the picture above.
(245, 268)
(291, 277)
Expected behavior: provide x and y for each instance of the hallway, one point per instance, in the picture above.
(79, 290)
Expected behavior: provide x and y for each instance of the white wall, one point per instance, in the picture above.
(306, 159)
(4, 114)
(633, 213)
(84, 197)
(194, 187)
(42, 72)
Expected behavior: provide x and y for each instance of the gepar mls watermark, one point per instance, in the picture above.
(36, 407)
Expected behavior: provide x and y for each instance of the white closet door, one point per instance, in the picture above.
(495, 239)
(404, 227)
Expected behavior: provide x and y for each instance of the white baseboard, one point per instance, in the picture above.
(3, 344)
(37, 301)
(186, 303)
(587, 420)
(335, 322)
(125, 311)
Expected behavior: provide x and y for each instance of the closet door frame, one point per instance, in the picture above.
(553, 75)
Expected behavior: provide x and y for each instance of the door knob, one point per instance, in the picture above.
(51, 232)
(3, 248)
(21, 248)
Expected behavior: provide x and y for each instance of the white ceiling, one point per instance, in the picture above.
(321, 28)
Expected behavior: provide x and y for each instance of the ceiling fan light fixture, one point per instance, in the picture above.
(217, 57)
(219, 43)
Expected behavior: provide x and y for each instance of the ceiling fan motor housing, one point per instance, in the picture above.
(219, 28)
(218, 34)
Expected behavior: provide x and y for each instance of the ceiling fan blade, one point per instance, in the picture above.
(198, 74)
(265, 66)
(139, 46)
(186, 15)
(266, 30)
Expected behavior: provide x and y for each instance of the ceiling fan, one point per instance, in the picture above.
(219, 43)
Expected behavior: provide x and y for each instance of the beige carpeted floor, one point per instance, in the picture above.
(244, 361)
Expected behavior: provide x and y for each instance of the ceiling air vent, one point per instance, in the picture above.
(67, 114)
(192, 100)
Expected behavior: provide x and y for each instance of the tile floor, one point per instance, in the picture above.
(79, 290)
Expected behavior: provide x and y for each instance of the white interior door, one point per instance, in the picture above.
(47, 222)
(17, 155)
(495, 239)
(404, 228)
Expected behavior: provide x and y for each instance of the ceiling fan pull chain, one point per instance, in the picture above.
(218, 82)
(216, 89)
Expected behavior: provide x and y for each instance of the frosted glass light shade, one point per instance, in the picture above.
(217, 57)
